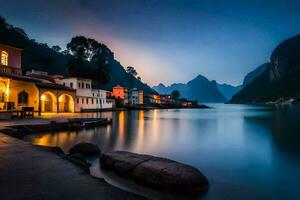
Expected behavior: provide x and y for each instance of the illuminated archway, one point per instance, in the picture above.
(3, 91)
(65, 103)
(48, 102)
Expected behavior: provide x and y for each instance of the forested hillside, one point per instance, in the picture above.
(39, 56)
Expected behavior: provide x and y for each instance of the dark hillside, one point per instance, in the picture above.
(39, 56)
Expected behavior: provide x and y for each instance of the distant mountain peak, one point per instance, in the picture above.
(199, 77)
(161, 85)
(199, 88)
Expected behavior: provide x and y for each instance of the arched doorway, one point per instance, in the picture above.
(48, 101)
(23, 98)
(66, 103)
(3, 91)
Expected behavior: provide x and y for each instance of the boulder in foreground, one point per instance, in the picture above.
(122, 162)
(86, 149)
(155, 172)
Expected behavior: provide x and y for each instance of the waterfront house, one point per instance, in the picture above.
(133, 97)
(152, 99)
(141, 97)
(87, 98)
(136, 97)
(188, 103)
(166, 99)
(121, 93)
(26, 93)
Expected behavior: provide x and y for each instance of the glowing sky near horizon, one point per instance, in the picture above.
(167, 41)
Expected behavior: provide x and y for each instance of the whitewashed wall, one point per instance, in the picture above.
(86, 97)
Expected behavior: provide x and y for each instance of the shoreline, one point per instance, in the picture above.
(33, 172)
(62, 118)
(18, 128)
(145, 108)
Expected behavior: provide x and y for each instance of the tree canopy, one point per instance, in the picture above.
(56, 48)
(130, 70)
(87, 48)
(175, 94)
(90, 58)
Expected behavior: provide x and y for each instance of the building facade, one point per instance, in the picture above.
(10, 61)
(121, 93)
(166, 99)
(87, 99)
(153, 99)
(18, 92)
(134, 97)
(141, 97)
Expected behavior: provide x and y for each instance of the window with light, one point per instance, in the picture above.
(4, 58)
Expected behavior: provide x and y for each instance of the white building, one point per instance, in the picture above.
(134, 97)
(86, 97)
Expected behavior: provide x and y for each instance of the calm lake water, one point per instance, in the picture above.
(246, 152)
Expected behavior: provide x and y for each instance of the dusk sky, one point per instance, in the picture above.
(167, 40)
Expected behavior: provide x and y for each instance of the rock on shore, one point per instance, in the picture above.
(155, 172)
(86, 149)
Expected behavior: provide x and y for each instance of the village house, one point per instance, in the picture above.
(166, 99)
(136, 97)
(152, 99)
(133, 97)
(121, 93)
(141, 97)
(87, 98)
(188, 103)
(25, 93)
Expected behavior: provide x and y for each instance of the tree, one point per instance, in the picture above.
(78, 47)
(130, 70)
(3, 22)
(65, 52)
(103, 69)
(73, 66)
(175, 94)
(56, 48)
(45, 45)
(91, 59)
(21, 32)
(100, 55)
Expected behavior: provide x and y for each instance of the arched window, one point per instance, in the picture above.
(23, 97)
(4, 58)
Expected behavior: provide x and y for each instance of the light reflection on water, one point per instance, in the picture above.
(247, 152)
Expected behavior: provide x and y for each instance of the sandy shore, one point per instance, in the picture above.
(29, 172)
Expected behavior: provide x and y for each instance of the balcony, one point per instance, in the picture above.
(10, 70)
